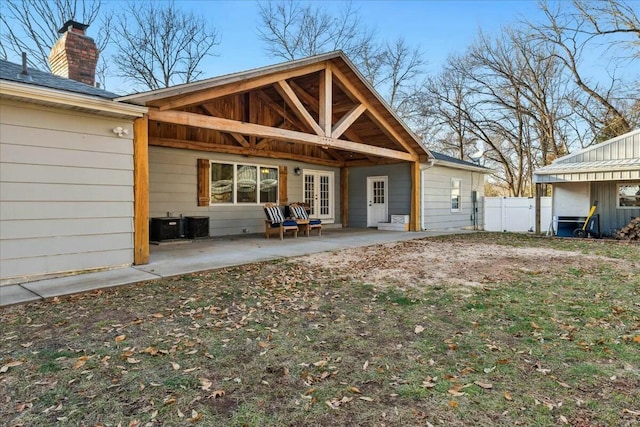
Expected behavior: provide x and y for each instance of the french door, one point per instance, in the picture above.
(319, 193)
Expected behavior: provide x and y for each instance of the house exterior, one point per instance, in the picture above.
(608, 173)
(66, 187)
(85, 171)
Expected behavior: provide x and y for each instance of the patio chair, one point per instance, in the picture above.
(276, 223)
(299, 214)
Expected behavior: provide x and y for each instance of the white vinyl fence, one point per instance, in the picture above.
(517, 214)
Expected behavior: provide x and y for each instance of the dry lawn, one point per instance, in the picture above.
(485, 329)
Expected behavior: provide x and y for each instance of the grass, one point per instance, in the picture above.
(285, 344)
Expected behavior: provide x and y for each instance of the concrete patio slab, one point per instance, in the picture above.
(87, 282)
(169, 260)
(16, 294)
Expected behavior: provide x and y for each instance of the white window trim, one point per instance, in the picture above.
(459, 181)
(235, 182)
(618, 195)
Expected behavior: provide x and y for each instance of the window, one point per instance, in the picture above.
(455, 195)
(628, 196)
(239, 183)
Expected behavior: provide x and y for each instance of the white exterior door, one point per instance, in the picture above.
(377, 203)
(318, 193)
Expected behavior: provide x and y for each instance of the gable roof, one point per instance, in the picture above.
(244, 81)
(11, 72)
(615, 159)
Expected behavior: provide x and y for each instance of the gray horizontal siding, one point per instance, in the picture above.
(399, 182)
(66, 191)
(173, 188)
(436, 198)
(25, 267)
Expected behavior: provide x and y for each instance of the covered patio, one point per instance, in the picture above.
(311, 131)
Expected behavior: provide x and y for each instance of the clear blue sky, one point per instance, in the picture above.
(439, 27)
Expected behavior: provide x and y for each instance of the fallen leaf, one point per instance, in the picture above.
(195, 416)
(120, 338)
(157, 315)
(486, 386)
(320, 363)
(453, 403)
(6, 367)
(534, 325)
(133, 360)
(636, 339)
(418, 329)
(217, 394)
(80, 362)
(354, 390)
(205, 384)
(564, 419)
(507, 396)
(175, 366)
(629, 411)
(366, 365)
(134, 423)
(366, 398)
(169, 400)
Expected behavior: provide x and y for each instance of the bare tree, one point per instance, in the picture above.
(159, 45)
(611, 17)
(31, 26)
(292, 30)
(567, 36)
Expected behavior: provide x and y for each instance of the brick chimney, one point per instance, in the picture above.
(75, 55)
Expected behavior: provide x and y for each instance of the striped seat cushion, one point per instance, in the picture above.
(299, 212)
(274, 214)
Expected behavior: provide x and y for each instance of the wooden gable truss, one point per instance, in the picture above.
(318, 112)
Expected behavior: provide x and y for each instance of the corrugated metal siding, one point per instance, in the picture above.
(436, 197)
(66, 192)
(625, 147)
(588, 176)
(173, 188)
(399, 191)
(611, 217)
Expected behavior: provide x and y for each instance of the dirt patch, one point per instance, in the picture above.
(423, 262)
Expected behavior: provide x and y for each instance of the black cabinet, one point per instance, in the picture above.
(164, 228)
(197, 226)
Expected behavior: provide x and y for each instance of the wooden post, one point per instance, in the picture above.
(141, 190)
(344, 196)
(538, 201)
(415, 197)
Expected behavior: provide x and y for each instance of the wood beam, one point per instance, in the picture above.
(347, 120)
(234, 126)
(234, 149)
(276, 108)
(235, 86)
(377, 118)
(141, 190)
(325, 102)
(213, 111)
(293, 101)
(283, 194)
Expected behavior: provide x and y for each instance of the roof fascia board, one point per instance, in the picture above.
(452, 165)
(186, 88)
(69, 99)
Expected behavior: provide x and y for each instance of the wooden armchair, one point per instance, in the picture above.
(276, 223)
(299, 213)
